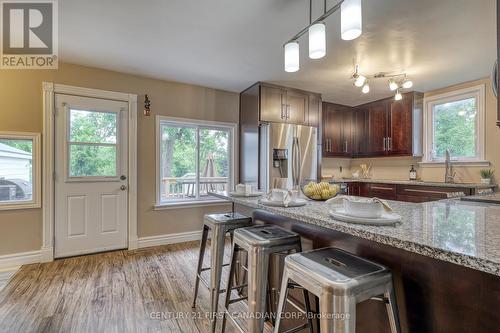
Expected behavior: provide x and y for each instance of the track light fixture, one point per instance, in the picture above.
(397, 81)
(351, 28)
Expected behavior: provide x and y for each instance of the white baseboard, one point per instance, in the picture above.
(46, 254)
(11, 261)
(169, 239)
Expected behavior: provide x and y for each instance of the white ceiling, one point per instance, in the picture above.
(230, 44)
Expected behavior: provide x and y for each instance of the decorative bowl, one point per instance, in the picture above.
(320, 191)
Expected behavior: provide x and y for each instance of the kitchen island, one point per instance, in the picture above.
(445, 257)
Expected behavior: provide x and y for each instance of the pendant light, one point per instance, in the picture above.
(292, 57)
(398, 96)
(350, 19)
(317, 40)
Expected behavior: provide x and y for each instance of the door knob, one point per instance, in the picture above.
(123, 177)
(123, 187)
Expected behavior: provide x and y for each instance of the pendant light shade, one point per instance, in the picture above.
(351, 19)
(292, 57)
(360, 81)
(317, 41)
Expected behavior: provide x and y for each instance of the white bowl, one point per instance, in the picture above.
(363, 208)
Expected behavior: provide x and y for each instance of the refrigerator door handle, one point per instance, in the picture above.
(299, 162)
(293, 161)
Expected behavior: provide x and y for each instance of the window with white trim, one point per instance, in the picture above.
(455, 122)
(20, 176)
(193, 159)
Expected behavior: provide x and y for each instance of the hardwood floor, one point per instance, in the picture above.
(123, 291)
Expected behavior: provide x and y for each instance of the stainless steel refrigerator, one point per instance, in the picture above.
(288, 155)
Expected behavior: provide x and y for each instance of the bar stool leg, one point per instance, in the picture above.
(217, 257)
(392, 310)
(345, 308)
(258, 262)
(282, 300)
(201, 255)
(307, 305)
(232, 268)
(326, 324)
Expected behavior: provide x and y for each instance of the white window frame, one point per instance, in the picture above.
(36, 161)
(231, 127)
(478, 92)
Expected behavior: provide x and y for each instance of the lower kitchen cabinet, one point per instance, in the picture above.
(406, 193)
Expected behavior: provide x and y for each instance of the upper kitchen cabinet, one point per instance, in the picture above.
(381, 128)
(337, 130)
(286, 105)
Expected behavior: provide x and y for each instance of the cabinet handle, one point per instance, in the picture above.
(288, 111)
(385, 144)
(382, 188)
(282, 116)
(429, 191)
(389, 144)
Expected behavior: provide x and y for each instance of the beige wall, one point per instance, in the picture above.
(21, 110)
(398, 168)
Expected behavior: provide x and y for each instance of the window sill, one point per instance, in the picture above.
(21, 205)
(190, 204)
(440, 164)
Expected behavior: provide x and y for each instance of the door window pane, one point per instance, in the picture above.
(454, 125)
(16, 170)
(214, 160)
(92, 160)
(177, 162)
(92, 126)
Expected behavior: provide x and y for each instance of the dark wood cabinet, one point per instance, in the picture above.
(315, 107)
(498, 55)
(399, 136)
(377, 129)
(337, 130)
(406, 193)
(272, 104)
(281, 104)
(381, 128)
(359, 132)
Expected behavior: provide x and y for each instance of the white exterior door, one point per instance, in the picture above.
(91, 173)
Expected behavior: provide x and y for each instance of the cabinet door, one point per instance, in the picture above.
(400, 127)
(347, 132)
(333, 132)
(272, 104)
(359, 132)
(297, 107)
(314, 110)
(377, 129)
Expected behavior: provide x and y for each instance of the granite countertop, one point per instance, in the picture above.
(463, 233)
(410, 182)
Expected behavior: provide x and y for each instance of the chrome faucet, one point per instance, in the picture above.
(449, 174)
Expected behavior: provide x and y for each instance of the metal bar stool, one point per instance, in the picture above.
(220, 225)
(340, 280)
(260, 242)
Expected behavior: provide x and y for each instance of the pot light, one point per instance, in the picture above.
(393, 85)
(398, 96)
(407, 84)
(292, 57)
(317, 40)
(350, 19)
(366, 88)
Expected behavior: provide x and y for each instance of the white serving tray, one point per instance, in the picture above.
(385, 219)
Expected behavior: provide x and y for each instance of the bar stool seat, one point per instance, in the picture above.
(340, 280)
(220, 224)
(260, 242)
